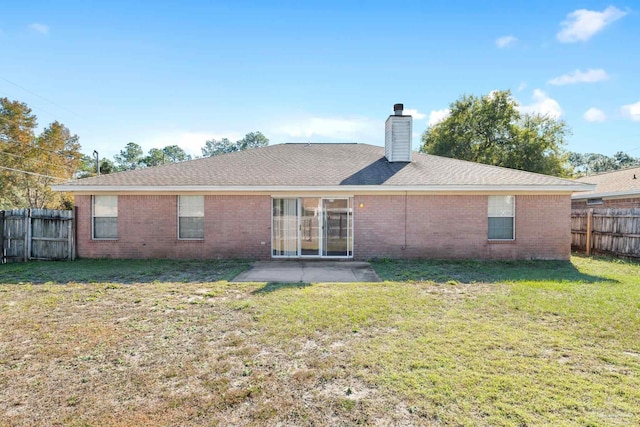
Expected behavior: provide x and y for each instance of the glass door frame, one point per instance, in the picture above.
(325, 240)
(321, 228)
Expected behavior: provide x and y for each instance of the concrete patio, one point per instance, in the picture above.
(308, 271)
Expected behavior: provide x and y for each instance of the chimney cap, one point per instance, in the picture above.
(397, 109)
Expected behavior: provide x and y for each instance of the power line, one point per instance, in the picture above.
(23, 124)
(36, 147)
(39, 161)
(634, 149)
(33, 173)
(39, 96)
(13, 121)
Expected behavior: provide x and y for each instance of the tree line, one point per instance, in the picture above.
(492, 129)
(132, 155)
(488, 129)
(30, 163)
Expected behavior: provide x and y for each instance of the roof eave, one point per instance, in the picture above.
(329, 188)
(611, 194)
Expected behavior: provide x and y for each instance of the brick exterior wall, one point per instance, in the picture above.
(234, 227)
(631, 202)
(240, 226)
(444, 227)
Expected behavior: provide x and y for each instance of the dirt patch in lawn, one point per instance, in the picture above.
(169, 354)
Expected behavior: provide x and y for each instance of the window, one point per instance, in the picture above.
(105, 217)
(501, 217)
(190, 217)
(594, 201)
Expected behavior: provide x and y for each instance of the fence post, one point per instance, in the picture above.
(70, 238)
(74, 234)
(3, 252)
(589, 230)
(25, 235)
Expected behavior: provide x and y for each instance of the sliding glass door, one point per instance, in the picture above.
(336, 239)
(312, 227)
(284, 241)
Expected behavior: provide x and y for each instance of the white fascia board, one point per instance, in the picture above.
(627, 193)
(93, 189)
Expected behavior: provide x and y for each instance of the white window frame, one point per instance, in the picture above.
(93, 218)
(502, 215)
(180, 216)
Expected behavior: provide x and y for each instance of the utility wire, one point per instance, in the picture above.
(33, 173)
(12, 121)
(39, 96)
(39, 161)
(36, 147)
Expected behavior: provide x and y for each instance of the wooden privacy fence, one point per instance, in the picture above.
(613, 231)
(37, 234)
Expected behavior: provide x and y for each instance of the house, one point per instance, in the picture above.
(617, 189)
(352, 201)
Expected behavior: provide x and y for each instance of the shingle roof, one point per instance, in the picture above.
(616, 183)
(319, 165)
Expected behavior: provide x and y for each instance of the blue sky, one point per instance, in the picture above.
(160, 73)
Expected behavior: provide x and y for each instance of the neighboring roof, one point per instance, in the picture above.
(321, 167)
(620, 183)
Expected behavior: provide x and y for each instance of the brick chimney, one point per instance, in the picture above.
(398, 134)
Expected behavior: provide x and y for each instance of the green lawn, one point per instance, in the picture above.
(437, 343)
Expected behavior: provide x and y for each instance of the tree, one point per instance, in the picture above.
(58, 156)
(155, 157)
(107, 167)
(87, 167)
(214, 147)
(174, 154)
(623, 160)
(169, 154)
(252, 140)
(31, 164)
(130, 158)
(491, 130)
(588, 163)
(17, 125)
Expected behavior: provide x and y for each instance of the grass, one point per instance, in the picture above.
(437, 343)
(121, 271)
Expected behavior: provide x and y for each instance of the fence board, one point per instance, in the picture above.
(41, 234)
(613, 231)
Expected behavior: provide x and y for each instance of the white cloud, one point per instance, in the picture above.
(594, 115)
(589, 76)
(39, 28)
(542, 104)
(506, 41)
(631, 111)
(522, 86)
(582, 24)
(335, 128)
(436, 116)
(415, 113)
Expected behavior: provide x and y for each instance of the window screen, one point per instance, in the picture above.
(191, 217)
(105, 217)
(501, 217)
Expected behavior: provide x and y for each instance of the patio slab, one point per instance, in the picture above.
(296, 271)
